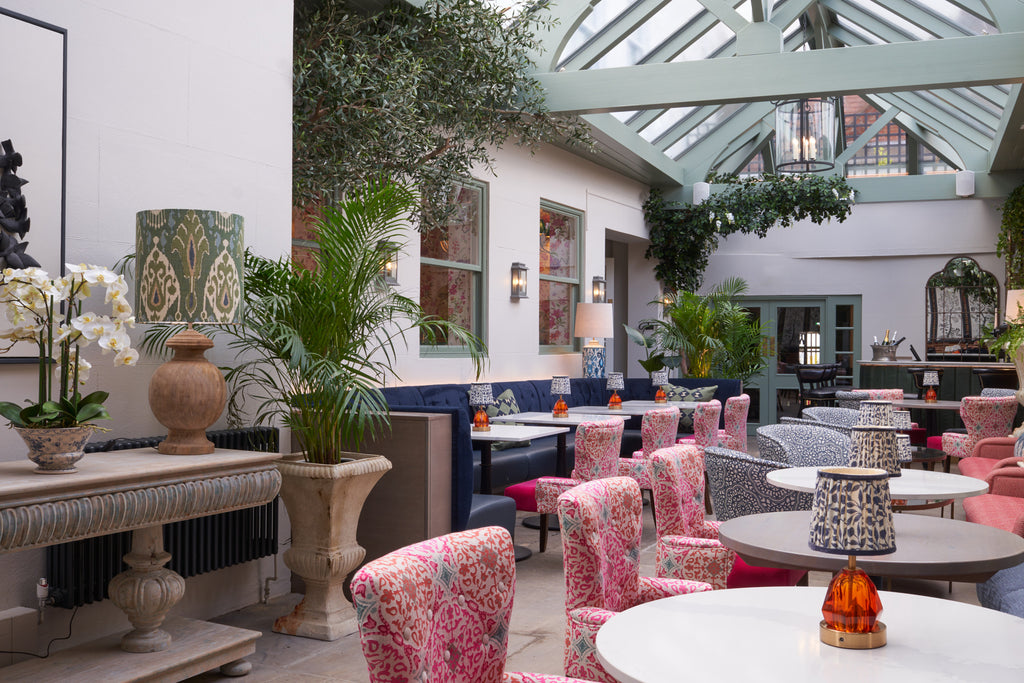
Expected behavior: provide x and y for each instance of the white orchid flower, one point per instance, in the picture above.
(126, 357)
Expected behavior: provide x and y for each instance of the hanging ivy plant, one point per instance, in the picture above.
(1010, 243)
(683, 236)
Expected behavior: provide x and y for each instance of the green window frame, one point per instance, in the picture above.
(561, 269)
(453, 283)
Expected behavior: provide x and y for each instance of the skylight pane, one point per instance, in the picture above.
(969, 23)
(603, 14)
(899, 23)
(661, 124)
(652, 33)
(858, 31)
(704, 128)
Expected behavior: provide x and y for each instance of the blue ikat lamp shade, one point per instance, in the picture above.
(852, 512)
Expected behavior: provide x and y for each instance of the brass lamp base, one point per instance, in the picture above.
(484, 428)
(853, 641)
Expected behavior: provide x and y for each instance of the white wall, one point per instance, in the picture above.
(611, 204)
(169, 104)
(883, 252)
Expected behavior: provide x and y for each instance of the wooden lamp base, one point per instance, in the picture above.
(187, 394)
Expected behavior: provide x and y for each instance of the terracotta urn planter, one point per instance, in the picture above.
(324, 502)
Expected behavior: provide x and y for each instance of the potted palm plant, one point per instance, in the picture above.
(314, 346)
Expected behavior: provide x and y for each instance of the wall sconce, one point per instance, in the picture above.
(391, 270)
(600, 290)
(518, 281)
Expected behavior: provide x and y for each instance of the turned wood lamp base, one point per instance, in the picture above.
(187, 394)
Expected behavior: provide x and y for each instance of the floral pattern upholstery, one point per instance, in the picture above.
(597, 446)
(736, 483)
(734, 435)
(658, 430)
(439, 610)
(803, 445)
(601, 529)
(982, 416)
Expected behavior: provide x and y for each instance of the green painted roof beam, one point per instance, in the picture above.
(1008, 147)
(940, 121)
(790, 12)
(678, 42)
(610, 131)
(648, 116)
(964, 152)
(683, 128)
(735, 158)
(760, 10)
(566, 15)
(852, 70)
(932, 187)
(607, 40)
(873, 23)
(726, 14)
(864, 138)
(1008, 15)
(978, 8)
(703, 154)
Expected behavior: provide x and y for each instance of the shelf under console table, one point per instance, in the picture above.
(139, 491)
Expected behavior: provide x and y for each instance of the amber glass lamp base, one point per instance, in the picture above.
(481, 422)
(659, 396)
(615, 402)
(931, 396)
(561, 408)
(851, 611)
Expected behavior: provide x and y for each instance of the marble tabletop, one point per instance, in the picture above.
(632, 408)
(911, 484)
(546, 418)
(513, 432)
(771, 635)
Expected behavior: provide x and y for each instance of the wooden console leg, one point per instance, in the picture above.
(146, 591)
(239, 667)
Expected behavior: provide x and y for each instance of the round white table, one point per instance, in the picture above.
(911, 484)
(771, 634)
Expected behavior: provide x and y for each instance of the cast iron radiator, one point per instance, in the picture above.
(79, 571)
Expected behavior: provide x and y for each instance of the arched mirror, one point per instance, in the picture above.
(961, 300)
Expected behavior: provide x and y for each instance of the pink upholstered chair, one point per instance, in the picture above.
(657, 430)
(705, 424)
(688, 545)
(997, 460)
(597, 446)
(734, 436)
(983, 416)
(439, 610)
(601, 528)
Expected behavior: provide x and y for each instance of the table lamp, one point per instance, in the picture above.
(560, 387)
(852, 515)
(931, 380)
(874, 446)
(659, 378)
(904, 452)
(594, 321)
(901, 419)
(481, 396)
(615, 382)
(189, 269)
(877, 413)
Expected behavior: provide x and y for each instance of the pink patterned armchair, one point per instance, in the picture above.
(688, 545)
(439, 611)
(983, 416)
(734, 436)
(705, 424)
(658, 430)
(597, 447)
(601, 529)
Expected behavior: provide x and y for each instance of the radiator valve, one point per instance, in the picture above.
(42, 594)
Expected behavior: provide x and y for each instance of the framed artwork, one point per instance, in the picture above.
(33, 120)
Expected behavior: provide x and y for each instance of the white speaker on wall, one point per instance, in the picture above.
(964, 183)
(701, 191)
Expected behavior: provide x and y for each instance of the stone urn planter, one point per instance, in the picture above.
(55, 450)
(324, 502)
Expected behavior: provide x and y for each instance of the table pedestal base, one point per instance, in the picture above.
(533, 522)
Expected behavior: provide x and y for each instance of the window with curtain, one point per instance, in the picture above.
(452, 267)
(560, 248)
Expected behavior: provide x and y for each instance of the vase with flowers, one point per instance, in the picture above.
(47, 313)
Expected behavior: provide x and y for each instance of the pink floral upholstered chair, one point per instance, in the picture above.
(601, 530)
(734, 436)
(705, 424)
(983, 416)
(688, 545)
(439, 611)
(597, 446)
(658, 430)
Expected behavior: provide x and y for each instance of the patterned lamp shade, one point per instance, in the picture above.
(877, 413)
(901, 419)
(874, 446)
(904, 452)
(480, 394)
(615, 381)
(659, 377)
(560, 385)
(189, 266)
(852, 512)
(931, 378)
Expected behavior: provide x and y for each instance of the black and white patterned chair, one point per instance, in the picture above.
(996, 391)
(850, 399)
(804, 445)
(737, 485)
(839, 417)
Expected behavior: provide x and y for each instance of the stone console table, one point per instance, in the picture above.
(137, 490)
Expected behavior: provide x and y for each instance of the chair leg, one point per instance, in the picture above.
(543, 531)
(654, 515)
(707, 496)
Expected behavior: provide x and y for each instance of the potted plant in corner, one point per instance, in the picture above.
(1009, 337)
(315, 345)
(47, 313)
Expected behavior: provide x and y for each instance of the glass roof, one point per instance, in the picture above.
(967, 124)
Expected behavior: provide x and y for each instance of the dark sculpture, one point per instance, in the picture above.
(14, 220)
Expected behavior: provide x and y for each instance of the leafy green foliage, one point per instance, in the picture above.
(712, 334)
(1010, 243)
(68, 411)
(315, 345)
(417, 94)
(684, 236)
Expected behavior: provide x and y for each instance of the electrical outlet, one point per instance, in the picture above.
(19, 630)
